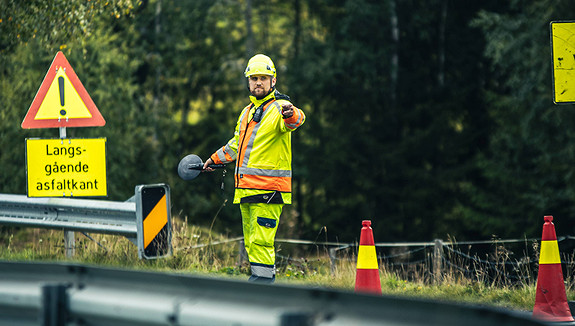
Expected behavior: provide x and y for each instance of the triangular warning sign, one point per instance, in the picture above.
(62, 100)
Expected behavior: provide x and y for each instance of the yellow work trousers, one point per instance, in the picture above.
(260, 223)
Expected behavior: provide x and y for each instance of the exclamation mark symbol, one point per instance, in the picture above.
(61, 84)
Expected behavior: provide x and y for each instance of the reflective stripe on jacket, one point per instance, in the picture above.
(262, 150)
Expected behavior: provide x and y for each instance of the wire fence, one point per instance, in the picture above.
(508, 262)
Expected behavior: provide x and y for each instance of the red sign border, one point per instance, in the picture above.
(97, 120)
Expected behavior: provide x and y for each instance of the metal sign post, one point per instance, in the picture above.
(69, 237)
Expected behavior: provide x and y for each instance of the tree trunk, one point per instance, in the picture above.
(250, 33)
(394, 53)
(441, 52)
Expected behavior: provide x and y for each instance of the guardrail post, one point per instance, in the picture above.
(54, 305)
(296, 319)
(69, 243)
(438, 261)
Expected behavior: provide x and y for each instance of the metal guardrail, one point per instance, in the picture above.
(85, 215)
(52, 294)
(98, 216)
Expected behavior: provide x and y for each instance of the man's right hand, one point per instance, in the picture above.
(206, 167)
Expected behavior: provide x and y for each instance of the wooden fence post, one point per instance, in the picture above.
(242, 253)
(332, 260)
(438, 261)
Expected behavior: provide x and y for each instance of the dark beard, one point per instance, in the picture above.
(260, 97)
(272, 89)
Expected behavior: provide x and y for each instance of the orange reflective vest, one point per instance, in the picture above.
(262, 150)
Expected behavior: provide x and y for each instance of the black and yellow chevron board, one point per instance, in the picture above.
(155, 237)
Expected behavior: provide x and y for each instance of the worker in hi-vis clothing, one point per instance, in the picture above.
(261, 147)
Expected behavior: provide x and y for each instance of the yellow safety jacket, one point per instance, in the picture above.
(262, 151)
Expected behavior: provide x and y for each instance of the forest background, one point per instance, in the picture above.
(432, 118)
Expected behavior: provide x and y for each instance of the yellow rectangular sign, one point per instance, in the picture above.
(66, 167)
(563, 55)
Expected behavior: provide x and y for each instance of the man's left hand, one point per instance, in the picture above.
(287, 110)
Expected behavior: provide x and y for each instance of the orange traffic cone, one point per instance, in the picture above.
(367, 276)
(550, 298)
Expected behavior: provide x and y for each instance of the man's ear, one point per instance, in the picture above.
(273, 82)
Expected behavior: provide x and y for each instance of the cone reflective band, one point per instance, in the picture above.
(153, 221)
(550, 297)
(367, 275)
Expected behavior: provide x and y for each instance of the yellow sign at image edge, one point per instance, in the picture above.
(563, 55)
(66, 167)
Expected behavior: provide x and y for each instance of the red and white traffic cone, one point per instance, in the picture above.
(367, 276)
(550, 297)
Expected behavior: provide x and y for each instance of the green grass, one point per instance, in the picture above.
(193, 254)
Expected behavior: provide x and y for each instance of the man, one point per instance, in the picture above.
(261, 147)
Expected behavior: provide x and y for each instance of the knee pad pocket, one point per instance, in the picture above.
(265, 231)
